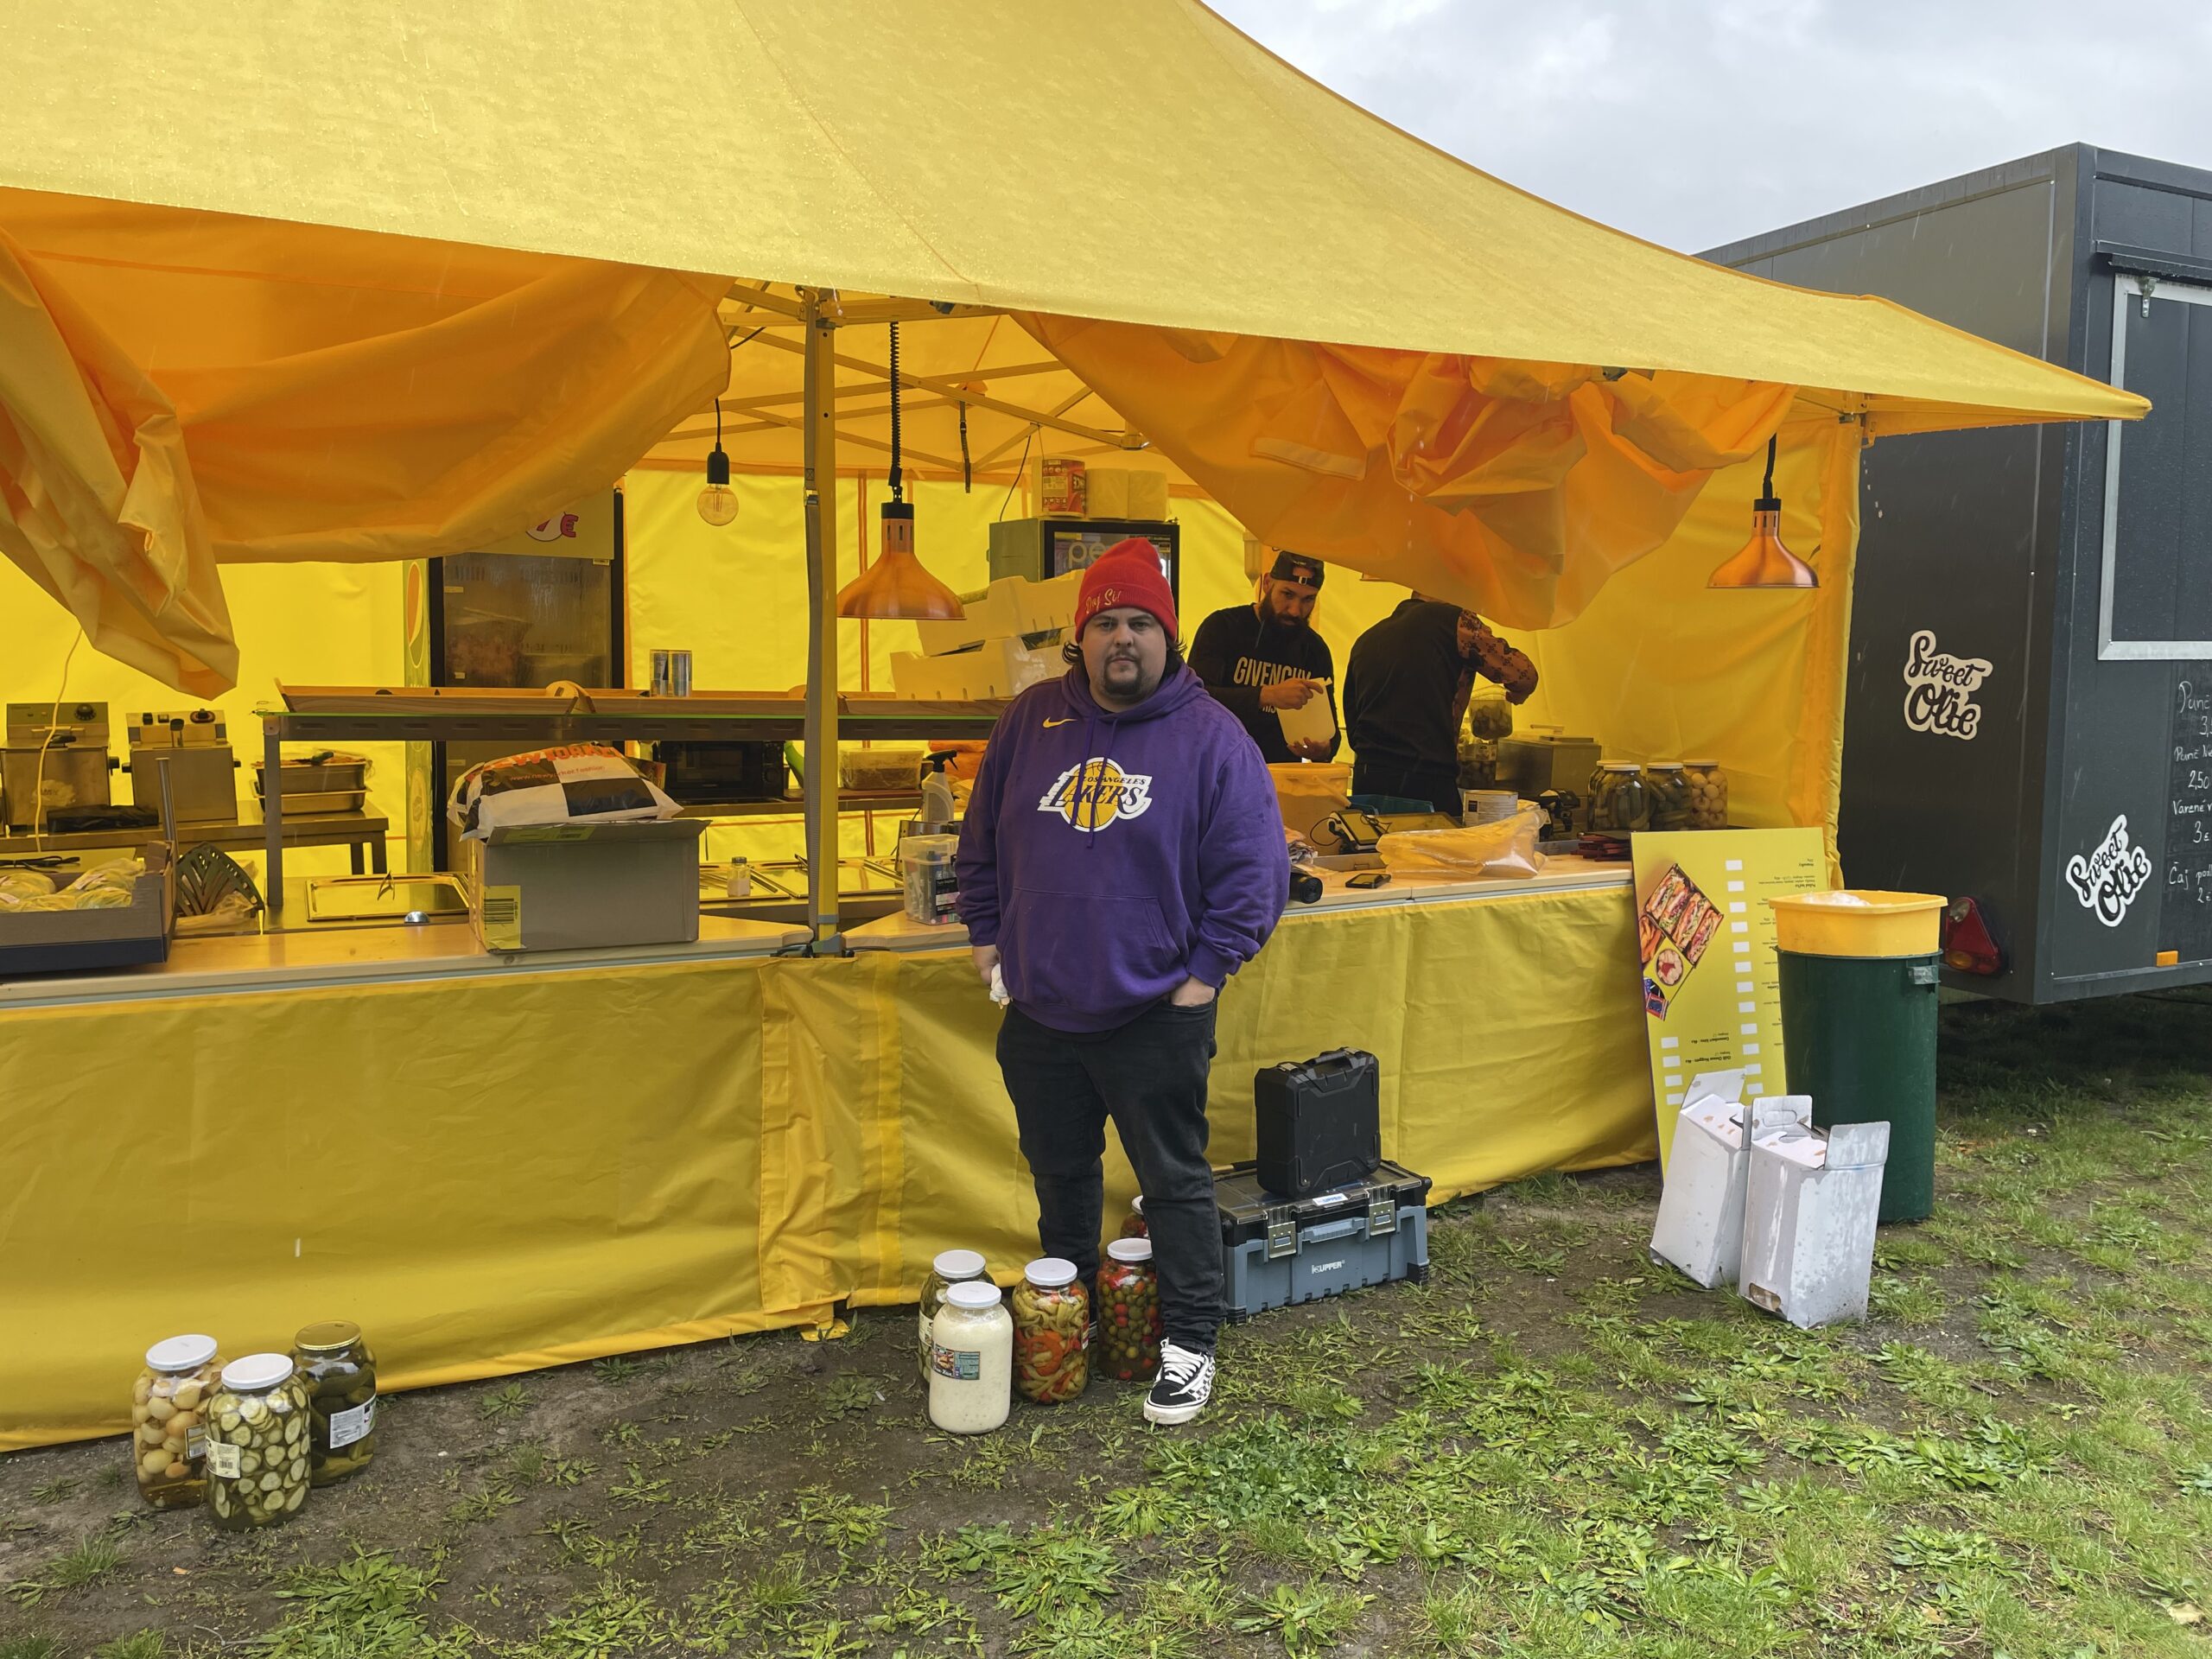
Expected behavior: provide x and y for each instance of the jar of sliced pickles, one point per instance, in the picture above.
(258, 1443)
(950, 1267)
(1051, 1323)
(1128, 1311)
(1669, 787)
(169, 1421)
(1134, 1225)
(1477, 762)
(1619, 803)
(1708, 794)
(341, 1377)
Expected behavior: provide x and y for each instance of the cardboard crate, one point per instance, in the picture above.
(583, 886)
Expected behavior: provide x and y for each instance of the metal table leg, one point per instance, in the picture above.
(272, 817)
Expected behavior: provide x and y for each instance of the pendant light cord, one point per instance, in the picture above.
(1768, 492)
(898, 489)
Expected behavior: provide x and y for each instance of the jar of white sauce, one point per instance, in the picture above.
(971, 1360)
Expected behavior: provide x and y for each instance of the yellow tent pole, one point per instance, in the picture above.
(821, 457)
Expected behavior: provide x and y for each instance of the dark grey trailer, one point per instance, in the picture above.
(2029, 718)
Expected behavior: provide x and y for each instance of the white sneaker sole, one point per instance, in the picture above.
(1170, 1415)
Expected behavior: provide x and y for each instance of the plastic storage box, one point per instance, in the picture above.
(1319, 1122)
(1278, 1251)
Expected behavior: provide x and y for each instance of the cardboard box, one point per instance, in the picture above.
(583, 886)
(78, 941)
(1308, 792)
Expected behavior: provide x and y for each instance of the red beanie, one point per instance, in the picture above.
(1128, 575)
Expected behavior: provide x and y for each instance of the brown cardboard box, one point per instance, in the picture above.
(77, 941)
(582, 887)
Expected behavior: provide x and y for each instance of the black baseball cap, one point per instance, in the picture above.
(1298, 567)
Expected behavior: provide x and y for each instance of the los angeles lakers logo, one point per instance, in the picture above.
(1097, 793)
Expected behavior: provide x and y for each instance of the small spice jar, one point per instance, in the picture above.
(168, 1419)
(258, 1443)
(341, 1378)
(1128, 1311)
(1051, 1325)
(971, 1360)
(1134, 1225)
(1669, 787)
(950, 1267)
(1618, 803)
(1708, 794)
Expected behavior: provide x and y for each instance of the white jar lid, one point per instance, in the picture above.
(181, 1353)
(1136, 1204)
(972, 1295)
(255, 1372)
(1130, 1250)
(1050, 1272)
(959, 1264)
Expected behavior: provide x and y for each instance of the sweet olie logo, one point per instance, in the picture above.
(1097, 793)
(1939, 689)
(2107, 880)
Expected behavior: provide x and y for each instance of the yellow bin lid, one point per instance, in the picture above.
(1858, 922)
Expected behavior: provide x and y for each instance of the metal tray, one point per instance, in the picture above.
(318, 803)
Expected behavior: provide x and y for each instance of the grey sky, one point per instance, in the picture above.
(1696, 124)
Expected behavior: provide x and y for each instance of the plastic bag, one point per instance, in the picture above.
(582, 783)
(1505, 849)
(23, 884)
(120, 875)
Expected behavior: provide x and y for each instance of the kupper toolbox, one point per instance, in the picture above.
(1276, 1251)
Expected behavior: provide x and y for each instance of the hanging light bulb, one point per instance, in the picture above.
(1764, 561)
(896, 587)
(718, 502)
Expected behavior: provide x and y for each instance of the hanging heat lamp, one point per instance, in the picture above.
(718, 502)
(896, 587)
(1764, 561)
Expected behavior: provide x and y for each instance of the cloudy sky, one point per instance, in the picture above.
(1695, 125)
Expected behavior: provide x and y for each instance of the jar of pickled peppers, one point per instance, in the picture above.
(1134, 1225)
(168, 1419)
(1618, 802)
(950, 1267)
(1051, 1323)
(341, 1377)
(1669, 787)
(1128, 1311)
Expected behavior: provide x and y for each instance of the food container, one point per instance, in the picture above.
(1619, 803)
(1489, 716)
(971, 1360)
(1062, 487)
(1487, 805)
(258, 1443)
(1546, 758)
(950, 1268)
(1708, 794)
(1052, 1329)
(168, 1417)
(880, 770)
(341, 1378)
(1128, 1311)
(1477, 762)
(1669, 787)
(926, 873)
(1134, 1225)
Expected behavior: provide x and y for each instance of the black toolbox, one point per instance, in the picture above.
(1320, 1122)
(1275, 1251)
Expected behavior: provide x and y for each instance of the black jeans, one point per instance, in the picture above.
(1150, 1076)
(1439, 786)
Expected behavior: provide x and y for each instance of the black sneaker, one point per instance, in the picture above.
(1183, 1387)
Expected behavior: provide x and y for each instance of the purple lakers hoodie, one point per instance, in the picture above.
(1111, 855)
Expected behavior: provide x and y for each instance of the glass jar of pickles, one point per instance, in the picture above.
(1128, 1311)
(1477, 762)
(258, 1443)
(168, 1419)
(949, 1269)
(1669, 786)
(342, 1379)
(1133, 1224)
(1051, 1323)
(1490, 716)
(1619, 803)
(1708, 794)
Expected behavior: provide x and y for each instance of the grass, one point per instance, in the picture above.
(1553, 1448)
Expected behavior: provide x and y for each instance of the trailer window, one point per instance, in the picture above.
(2158, 534)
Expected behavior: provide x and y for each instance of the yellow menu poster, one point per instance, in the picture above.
(1705, 935)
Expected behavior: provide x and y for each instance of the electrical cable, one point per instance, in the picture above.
(53, 716)
(1019, 466)
(967, 468)
(897, 490)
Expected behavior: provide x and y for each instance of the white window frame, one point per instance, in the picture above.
(2128, 291)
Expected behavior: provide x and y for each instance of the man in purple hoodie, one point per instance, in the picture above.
(1121, 856)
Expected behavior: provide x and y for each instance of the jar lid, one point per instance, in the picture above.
(186, 1353)
(1050, 1272)
(1664, 765)
(1136, 1204)
(972, 1295)
(1130, 1250)
(327, 1337)
(256, 1373)
(1619, 765)
(958, 1264)
(1707, 764)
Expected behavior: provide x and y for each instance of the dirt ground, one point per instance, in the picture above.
(1553, 1447)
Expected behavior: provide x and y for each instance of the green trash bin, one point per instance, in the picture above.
(1858, 983)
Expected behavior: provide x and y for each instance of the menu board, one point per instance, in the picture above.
(2185, 920)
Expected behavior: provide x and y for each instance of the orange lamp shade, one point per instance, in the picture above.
(897, 587)
(1764, 561)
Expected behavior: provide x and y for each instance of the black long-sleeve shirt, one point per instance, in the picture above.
(1238, 651)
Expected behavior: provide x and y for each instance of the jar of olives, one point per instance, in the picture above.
(168, 1419)
(1052, 1323)
(950, 1267)
(1618, 803)
(1128, 1311)
(1133, 1224)
(258, 1443)
(342, 1379)
(1669, 786)
(1708, 794)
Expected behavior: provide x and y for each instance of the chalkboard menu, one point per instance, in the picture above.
(2185, 924)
